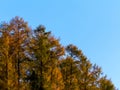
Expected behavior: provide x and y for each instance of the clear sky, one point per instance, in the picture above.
(92, 25)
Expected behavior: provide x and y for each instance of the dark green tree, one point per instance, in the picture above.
(46, 52)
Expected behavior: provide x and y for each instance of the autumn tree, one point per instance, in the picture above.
(69, 70)
(86, 74)
(45, 53)
(35, 60)
(14, 37)
(106, 84)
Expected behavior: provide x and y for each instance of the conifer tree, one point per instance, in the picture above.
(13, 37)
(46, 51)
(35, 60)
(106, 84)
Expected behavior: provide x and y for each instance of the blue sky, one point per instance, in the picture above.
(92, 25)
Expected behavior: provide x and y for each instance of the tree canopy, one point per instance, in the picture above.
(35, 60)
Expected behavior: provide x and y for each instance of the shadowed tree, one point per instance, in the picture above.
(46, 52)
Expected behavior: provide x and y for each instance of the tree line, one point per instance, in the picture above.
(35, 60)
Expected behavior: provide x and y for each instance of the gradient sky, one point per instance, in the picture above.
(92, 25)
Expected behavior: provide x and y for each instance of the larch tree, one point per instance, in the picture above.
(69, 70)
(35, 60)
(46, 51)
(106, 84)
(13, 37)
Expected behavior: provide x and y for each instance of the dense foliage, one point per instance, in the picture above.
(35, 60)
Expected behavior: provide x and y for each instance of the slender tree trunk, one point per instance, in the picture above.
(41, 76)
(18, 72)
(18, 62)
(70, 76)
(6, 73)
